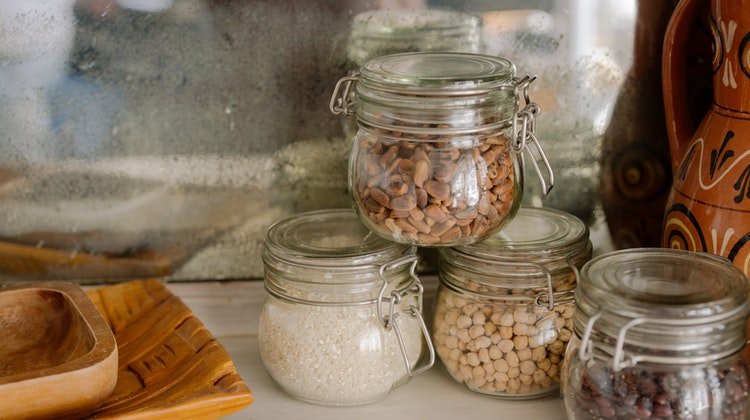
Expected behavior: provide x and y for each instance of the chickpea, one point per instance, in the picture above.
(497, 348)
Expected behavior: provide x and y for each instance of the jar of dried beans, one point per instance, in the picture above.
(436, 158)
(504, 310)
(658, 334)
(342, 320)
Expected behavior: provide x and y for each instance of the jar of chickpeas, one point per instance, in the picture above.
(504, 309)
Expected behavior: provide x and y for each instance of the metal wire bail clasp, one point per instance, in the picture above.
(524, 130)
(342, 99)
(619, 360)
(390, 319)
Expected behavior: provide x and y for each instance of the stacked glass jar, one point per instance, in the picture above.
(504, 310)
(436, 162)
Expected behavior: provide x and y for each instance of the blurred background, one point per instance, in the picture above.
(162, 137)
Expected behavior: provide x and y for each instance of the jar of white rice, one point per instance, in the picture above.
(342, 320)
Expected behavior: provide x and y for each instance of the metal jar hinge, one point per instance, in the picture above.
(393, 299)
(342, 99)
(552, 298)
(524, 131)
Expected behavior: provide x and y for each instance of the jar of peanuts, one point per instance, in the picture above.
(658, 334)
(342, 322)
(504, 309)
(436, 160)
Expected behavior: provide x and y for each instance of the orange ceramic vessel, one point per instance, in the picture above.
(709, 205)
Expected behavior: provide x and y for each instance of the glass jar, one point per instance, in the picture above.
(342, 320)
(435, 161)
(375, 33)
(658, 334)
(504, 310)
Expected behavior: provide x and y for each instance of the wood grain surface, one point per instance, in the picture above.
(170, 365)
(58, 357)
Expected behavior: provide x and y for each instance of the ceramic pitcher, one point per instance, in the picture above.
(709, 205)
(635, 164)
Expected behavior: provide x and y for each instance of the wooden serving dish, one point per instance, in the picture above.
(170, 365)
(58, 358)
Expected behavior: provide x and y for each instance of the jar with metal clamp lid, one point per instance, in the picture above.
(658, 334)
(342, 320)
(504, 309)
(436, 160)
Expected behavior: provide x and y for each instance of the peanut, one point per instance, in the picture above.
(454, 195)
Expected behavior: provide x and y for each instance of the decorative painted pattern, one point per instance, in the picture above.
(727, 35)
(719, 166)
(683, 231)
(682, 227)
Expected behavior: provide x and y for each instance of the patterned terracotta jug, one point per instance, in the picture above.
(709, 205)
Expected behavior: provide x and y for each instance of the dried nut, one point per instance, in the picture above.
(381, 197)
(404, 203)
(437, 189)
(405, 166)
(376, 180)
(463, 222)
(391, 225)
(416, 214)
(397, 186)
(387, 158)
(484, 206)
(445, 194)
(428, 239)
(373, 206)
(436, 213)
(444, 173)
(420, 225)
(421, 198)
(421, 169)
(438, 229)
(466, 213)
(399, 214)
(420, 155)
(451, 234)
(405, 226)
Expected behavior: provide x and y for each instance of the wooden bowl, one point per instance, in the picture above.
(58, 357)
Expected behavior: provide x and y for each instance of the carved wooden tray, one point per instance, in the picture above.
(170, 365)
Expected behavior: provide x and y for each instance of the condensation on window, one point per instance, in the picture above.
(162, 137)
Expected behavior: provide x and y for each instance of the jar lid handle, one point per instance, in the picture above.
(342, 99)
(524, 129)
(390, 321)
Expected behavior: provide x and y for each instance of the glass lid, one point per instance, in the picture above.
(397, 24)
(450, 72)
(663, 283)
(535, 232)
(661, 306)
(333, 238)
